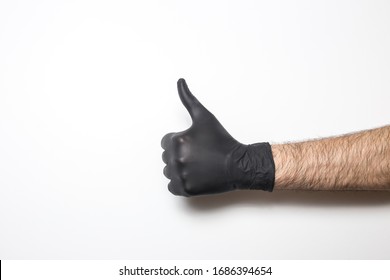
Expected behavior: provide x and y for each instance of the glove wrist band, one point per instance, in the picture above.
(263, 166)
(252, 167)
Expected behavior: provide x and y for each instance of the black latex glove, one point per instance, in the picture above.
(206, 159)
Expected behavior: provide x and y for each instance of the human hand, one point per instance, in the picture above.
(206, 159)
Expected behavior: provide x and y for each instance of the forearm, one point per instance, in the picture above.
(359, 161)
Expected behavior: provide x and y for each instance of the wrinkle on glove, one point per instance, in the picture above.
(206, 159)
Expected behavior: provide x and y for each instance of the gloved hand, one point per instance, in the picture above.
(206, 159)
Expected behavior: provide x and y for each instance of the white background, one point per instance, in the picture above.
(88, 89)
(280, 269)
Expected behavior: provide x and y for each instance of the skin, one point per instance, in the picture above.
(357, 161)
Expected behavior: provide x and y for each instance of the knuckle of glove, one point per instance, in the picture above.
(189, 189)
(176, 156)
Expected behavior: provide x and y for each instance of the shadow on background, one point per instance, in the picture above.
(291, 198)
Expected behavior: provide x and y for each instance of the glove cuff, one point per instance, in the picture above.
(254, 167)
(264, 166)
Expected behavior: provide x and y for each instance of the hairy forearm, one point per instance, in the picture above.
(358, 161)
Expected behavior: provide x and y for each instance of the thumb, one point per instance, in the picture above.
(194, 107)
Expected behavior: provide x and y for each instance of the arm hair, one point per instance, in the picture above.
(357, 161)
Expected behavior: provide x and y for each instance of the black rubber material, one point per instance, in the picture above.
(206, 159)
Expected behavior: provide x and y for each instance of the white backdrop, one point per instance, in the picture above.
(88, 89)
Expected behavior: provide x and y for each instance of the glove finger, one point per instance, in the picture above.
(165, 157)
(166, 172)
(175, 187)
(193, 106)
(166, 140)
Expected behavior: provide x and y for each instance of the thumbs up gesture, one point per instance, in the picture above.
(206, 159)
